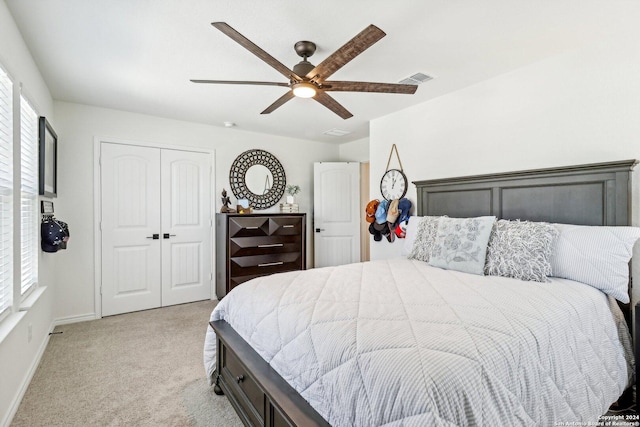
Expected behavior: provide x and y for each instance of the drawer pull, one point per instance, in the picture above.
(251, 228)
(239, 379)
(288, 226)
(272, 245)
(269, 264)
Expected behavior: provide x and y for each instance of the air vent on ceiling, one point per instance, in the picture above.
(416, 79)
(336, 132)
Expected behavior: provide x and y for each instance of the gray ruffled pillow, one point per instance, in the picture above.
(521, 249)
(425, 238)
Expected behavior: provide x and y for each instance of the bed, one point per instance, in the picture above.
(403, 342)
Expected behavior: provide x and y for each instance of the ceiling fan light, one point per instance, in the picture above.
(304, 90)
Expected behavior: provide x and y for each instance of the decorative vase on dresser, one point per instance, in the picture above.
(249, 246)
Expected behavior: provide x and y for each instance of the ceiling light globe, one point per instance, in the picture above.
(304, 90)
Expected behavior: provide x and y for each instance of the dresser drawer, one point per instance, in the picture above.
(265, 264)
(247, 226)
(243, 246)
(250, 395)
(285, 225)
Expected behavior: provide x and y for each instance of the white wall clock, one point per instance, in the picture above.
(393, 184)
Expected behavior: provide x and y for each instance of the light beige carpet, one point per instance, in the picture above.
(137, 369)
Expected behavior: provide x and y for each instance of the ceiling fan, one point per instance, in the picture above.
(309, 81)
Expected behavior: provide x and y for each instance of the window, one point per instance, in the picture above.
(28, 196)
(6, 191)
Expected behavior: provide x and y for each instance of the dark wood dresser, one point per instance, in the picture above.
(249, 246)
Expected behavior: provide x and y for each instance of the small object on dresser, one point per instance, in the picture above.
(226, 201)
(292, 190)
(243, 206)
(289, 207)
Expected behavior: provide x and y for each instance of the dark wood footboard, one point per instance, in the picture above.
(260, 396)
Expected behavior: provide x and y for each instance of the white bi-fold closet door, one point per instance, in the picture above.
(155, 227)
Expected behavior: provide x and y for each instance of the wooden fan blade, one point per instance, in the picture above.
(354, 47)
(253, 48)
(240, 82)
(279, 102)
(332, 105)
(369, 87)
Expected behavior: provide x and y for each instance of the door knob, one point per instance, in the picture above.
(154, 237)
(319, 230)
(167, 235)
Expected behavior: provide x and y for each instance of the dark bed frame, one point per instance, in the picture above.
(593, 194)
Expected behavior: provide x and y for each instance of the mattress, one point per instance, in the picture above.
(401, 343)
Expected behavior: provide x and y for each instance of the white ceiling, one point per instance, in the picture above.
(138, 55)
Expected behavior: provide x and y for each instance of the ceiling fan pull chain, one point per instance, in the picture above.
(393, 147)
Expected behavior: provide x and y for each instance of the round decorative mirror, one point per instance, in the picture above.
(258, 176)
(258, 179)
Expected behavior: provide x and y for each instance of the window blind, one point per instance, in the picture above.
(6, 191)
(28, 195)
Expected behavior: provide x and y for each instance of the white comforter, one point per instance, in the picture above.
(400, 343)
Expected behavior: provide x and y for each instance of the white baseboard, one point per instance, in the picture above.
(13, 408)
(75, 319)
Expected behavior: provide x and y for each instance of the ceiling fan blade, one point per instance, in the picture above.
(279, 102)
(240, 82)
(332, 105)
(369, 87)
(354, 47)
(253, 48)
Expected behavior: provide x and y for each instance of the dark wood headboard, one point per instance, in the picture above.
(592, 194)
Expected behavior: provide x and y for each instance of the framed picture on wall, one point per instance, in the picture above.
(48, 159)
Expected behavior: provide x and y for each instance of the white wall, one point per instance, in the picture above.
(77, 127)
(355, 151)
(18, 355)
(576, 108)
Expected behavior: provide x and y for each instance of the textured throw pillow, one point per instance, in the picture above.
(597, 256)
(410, 235)
(461, 244)
(521, 249)
(425, 237)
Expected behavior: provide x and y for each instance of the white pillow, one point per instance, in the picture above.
(461, 244)
(410, 236)
(597, 256)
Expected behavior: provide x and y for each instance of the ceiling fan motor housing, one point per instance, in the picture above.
(302, 68)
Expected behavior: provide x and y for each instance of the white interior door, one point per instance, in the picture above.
(130, 178)
(155, 227)
(186, 227)
(336, 213)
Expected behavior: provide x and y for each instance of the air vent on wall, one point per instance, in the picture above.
(336, 132)
(416, 79)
